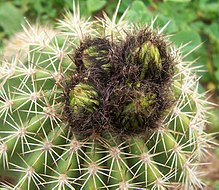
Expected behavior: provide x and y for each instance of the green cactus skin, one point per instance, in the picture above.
(48, 99)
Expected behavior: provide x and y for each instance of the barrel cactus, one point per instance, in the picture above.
(100, 104)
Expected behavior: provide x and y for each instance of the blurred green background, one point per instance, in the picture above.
(191, 20)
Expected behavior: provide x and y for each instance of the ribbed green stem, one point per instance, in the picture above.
(36, 158)
(93, 178)
(147, 168)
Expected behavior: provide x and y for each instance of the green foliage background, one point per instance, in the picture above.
(191, 20)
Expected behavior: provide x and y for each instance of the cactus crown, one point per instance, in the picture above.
(120, 86)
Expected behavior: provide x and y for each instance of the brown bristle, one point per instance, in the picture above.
(120, 85)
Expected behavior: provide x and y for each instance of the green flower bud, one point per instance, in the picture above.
(148, 57)
(83, 97)
(94, 53)
(134, 114)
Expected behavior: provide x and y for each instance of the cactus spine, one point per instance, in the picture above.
(101, 105)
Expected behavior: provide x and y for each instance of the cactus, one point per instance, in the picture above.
(101, 105)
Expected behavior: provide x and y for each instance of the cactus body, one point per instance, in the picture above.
(120, 111)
